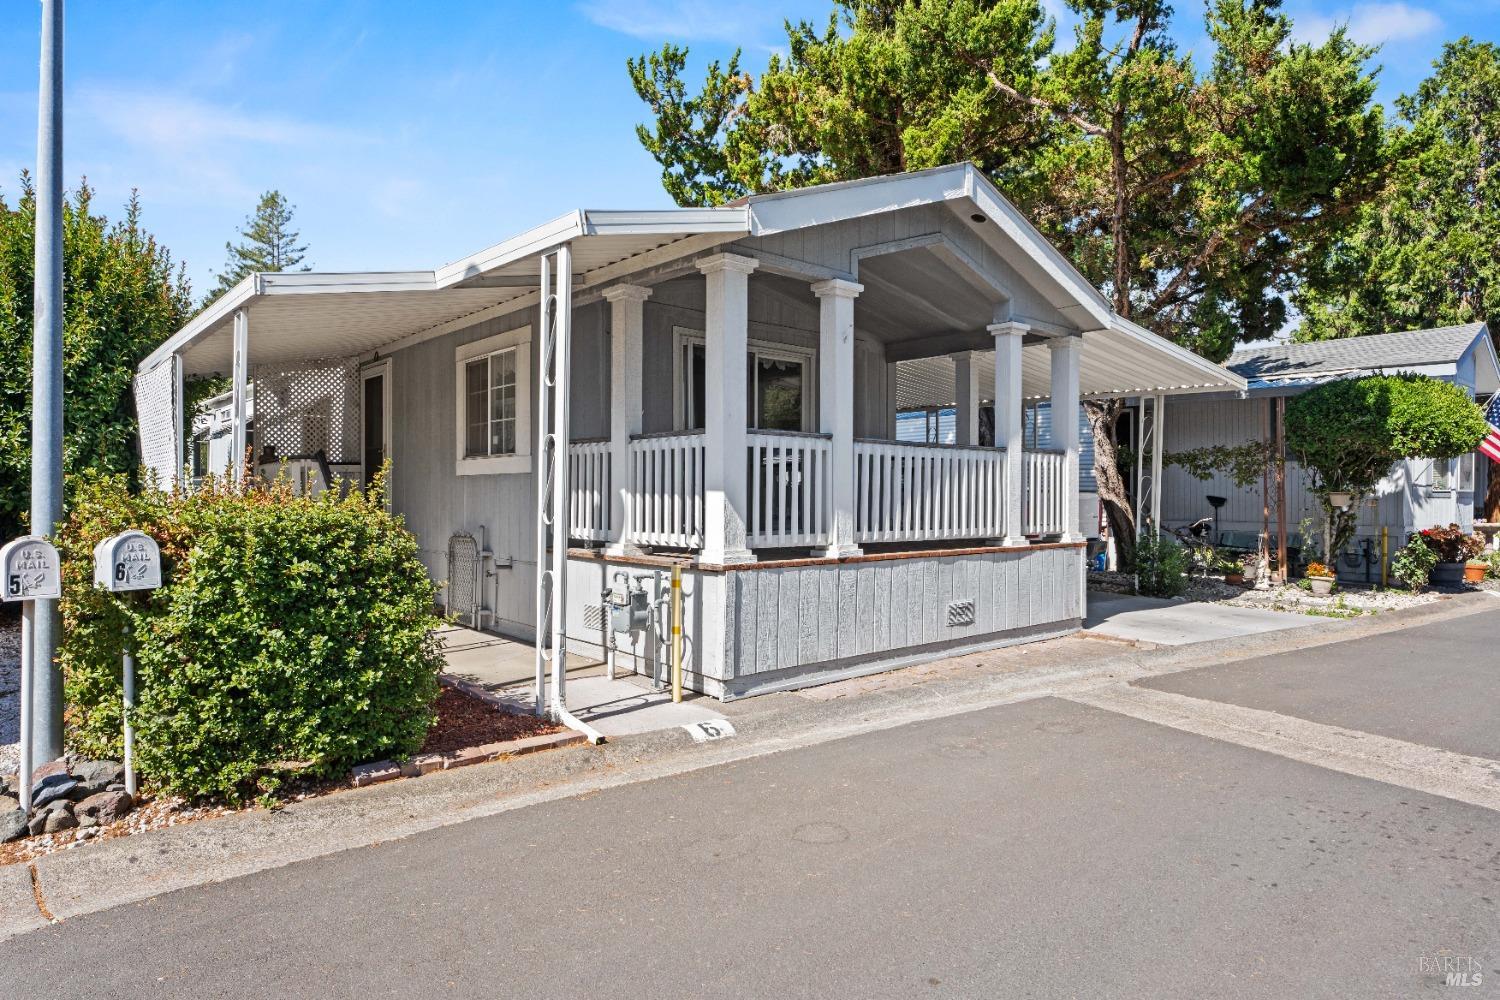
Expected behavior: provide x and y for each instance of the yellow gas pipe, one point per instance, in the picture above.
(676, 633)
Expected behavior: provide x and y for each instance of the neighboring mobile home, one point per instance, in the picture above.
(731, 386)
(1417, 494)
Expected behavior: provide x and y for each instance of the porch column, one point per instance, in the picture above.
(966, 398)
(240, 386)
(626, 345)
(1009, 422)
(1065, 354)
(726, 323)
(836, 406)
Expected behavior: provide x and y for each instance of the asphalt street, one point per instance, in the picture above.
(1041, 849)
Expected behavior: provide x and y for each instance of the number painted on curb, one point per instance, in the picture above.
(710, 729)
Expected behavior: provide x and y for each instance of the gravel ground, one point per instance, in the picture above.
(1345, 601)
(10, 696)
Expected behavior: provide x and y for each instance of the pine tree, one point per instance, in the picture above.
(269, 244)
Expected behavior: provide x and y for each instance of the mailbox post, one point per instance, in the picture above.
(123, 563)
(29, 570)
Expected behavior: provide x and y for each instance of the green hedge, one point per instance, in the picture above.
(290, 634)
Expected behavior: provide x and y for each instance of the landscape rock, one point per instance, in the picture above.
(103, 808)
(100, 772)
(48, 770)
(51, 788)
(12, 826)
(59, 817)
(9, 802)
(84, 789)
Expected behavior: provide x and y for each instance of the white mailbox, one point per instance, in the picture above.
(29, 569)
(130, 560)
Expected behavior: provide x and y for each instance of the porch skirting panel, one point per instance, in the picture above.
(760, 628)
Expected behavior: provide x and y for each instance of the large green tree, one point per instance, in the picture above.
(267, 243)
(122, 296)
(1194, 196)
(1427, 253)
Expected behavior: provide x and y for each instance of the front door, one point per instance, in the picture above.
(374, 421)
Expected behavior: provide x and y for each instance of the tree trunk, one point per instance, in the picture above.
(1113, 494)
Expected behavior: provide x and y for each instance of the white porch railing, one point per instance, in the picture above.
(789, 489)
(902, 492)
(588, 490)
(666, 483)
(915, 492)
(1044, 497)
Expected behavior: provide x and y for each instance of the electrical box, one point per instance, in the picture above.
(130, 560)
(629, 608)
(29, 569)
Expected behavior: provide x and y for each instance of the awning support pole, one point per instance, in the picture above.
(239, 399)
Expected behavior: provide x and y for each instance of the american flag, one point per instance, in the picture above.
(1490, 446)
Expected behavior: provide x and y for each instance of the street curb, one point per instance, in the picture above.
(130, 869)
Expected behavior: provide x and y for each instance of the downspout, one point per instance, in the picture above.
(552, 491)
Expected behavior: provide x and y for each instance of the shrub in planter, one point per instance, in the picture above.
(1160, 566)
(1413, 563)
(290, 634)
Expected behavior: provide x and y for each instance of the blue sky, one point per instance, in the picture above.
(406, 140)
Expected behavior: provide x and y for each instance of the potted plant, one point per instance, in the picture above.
(1320, 578)
(1234, 570)
(1453, 548)
(1475, 564)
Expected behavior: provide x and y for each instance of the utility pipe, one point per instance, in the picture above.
(676, 632)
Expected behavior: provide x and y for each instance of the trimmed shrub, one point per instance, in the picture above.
(1160, 566)
(1412, 564)
(291, 634)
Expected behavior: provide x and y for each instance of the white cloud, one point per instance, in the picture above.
(170, 121)
(1371, 23)
(684, 20)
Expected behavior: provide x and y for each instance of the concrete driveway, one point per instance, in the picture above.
(1177, 623)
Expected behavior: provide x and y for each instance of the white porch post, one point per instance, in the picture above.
(966, 398)
(726, 321)
(1008, 421)
(1065, 355)
(240, 386)
(836, 406)
(627, 337)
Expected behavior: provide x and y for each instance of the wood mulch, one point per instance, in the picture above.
(465, 720)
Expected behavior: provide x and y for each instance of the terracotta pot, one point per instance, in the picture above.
(1447, 574)
(1474, 572)
(1237, 579)
(1321, 585)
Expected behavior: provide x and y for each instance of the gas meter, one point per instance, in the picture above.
(629, 604)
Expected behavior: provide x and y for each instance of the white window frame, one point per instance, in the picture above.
(1441, 477)
(683, 337)
(519, 341)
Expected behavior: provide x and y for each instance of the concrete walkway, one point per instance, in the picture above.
(1178, 623)
(625, 706)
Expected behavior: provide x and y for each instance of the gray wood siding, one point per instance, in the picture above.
(832, 246)
(806, 616)
(437, 502)
(1405, 503)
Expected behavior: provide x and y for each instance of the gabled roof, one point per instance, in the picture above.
(304, 316)
(1437, 351)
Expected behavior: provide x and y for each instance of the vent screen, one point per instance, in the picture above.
(593, 616)
(960, 613)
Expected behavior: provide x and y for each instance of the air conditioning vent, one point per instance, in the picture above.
(960, 613)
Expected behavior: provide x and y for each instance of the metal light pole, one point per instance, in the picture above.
(47, 377)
